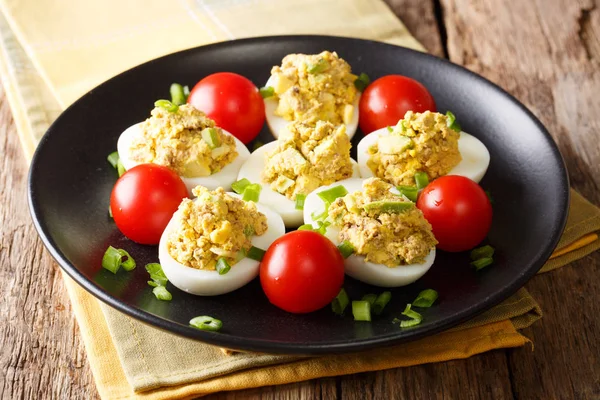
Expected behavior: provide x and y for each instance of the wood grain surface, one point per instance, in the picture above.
(547, 54)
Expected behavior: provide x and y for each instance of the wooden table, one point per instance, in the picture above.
(547, 54)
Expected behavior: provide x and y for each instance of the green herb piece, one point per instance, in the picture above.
(382, 300)
(120, 168)
(240, 185)
(167, 105)
(320, 66)
(178, 96)
(255, 253)
(206, 323)
(112, 259)
(305, 227)
(300, 198)
(415, 318)
(252, 192)
(410, 192)
(361, 310)
(426, 298)
(186, 92)
(127, 262)
(371, 297)
(341, 301)
(156, 274)
(266, 91)
(362, 81)
(113, 158)
(390, 129)
(211, 137)
(390, 207)
(346, 248)
(322, 215)
(482, 262)
(222, 266)
(249, 230)
(482, 252)
(421, 180)
(452, 122)
(329, 195)
(110, 214)
(161, 293)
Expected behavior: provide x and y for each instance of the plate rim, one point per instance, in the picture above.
(308, 348)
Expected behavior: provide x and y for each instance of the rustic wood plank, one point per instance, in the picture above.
(547, 54)
(41, 353)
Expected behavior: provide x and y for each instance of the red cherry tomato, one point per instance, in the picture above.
(458, 210)
(385, 101)
(143, 201)
(302, 271)
(232, 101)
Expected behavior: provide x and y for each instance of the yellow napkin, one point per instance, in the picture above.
(54, 51)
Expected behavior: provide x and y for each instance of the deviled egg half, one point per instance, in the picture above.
(422, 142)
(391, 242)
(187, 141)
(302, 159)
(212, 243)
(309, 88)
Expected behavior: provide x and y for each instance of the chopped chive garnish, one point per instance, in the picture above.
(305, 227)
(361, 310)
(452, 122)
(371, 297)
(222, 266)
(318, 67)
(346, 248)
(206, 323)
(426, 298)
(127, 262)
(156, 274)
(321, 216)
(240, 185)
(112, 259)
(249, 230)
(186, 92)
(482, 263)
(415, 318)
(211, 137)
(339, 304)
(178, 96)
(482, 252)
(381, 302)
(113, 158)
(266, 91)
(390, 207)
(252, 192)
(390, 129)
(257, 145)
(322, 229)
(362, 82)
(329, 195)
(167, 105)
(120, 168)
(161, 293)
(421, 180)
(255, 253)
(410, 192)
(300, 198)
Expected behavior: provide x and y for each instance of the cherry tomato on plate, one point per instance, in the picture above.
(232, 101)
(302, 271)
(385, 101)
(458, 210)
(143, 201)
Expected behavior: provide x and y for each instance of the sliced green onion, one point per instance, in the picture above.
(112, 259)
(252, 192)
(482, 252)
(410, 192)
(113, 158)
(306, 227)
(152, 283)
(186, 92)
(156, 274)
(257, 145)
(346, 248)
(240, 185)
(341, 301)
(120, 168)
(129, 263)
(206, 323)
(390, 129)
(451, 122)
(421, 180)
(426, 298)
(255, 253)
(318, 67)
(329, 195)
(371, 297)
(167, 105)
(211, 137)
(390, 207)
(266, 91)
(110, 214)
(321, 216)
(322, 229)
(178, 96)
(361, 310)
(241, 255)
(362, 82)
(249, 230)
(161, 293)
(381, 302)
(300, 198)
(415, 318)
(482, 263)
(222, 266)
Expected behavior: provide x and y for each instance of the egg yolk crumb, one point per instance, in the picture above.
(187, 141)
(421, 142)
(215, 225)
(315, 87)
(307, 157)
(382, 226)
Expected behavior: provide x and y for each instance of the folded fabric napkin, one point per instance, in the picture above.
(51, 55)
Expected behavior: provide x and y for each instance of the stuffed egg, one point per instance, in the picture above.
(188, 142)
(422, 142)
(304, 158)
(212, 243)
(309, 88)
(391, 242)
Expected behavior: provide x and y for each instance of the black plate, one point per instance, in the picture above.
(70, 183)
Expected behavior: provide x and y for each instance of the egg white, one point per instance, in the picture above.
(278, 124)
(355, 265)
(474, 163)
(224, 178)
(252, 170)
(210, 283)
